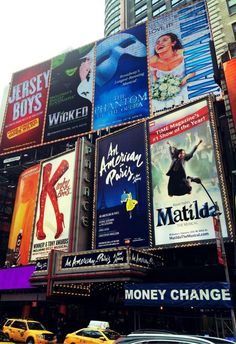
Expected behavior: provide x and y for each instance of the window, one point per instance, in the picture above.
(141, 10)
(234, 29)
(175, 2)
(159, 10)
(137, 1)
(155, 1)
(231, 6)
(141, 20)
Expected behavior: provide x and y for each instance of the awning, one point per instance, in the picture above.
(16, 277)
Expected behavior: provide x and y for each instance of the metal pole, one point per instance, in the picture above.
(226, 270)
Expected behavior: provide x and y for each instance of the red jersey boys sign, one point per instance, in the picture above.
(26, 106)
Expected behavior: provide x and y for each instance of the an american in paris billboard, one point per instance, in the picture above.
(184, 162)
(122, 202)
(23, 216)
(27, 102)
(230, 78)
(51, 228)
(181, 65)
(71, 93)
(121, 84)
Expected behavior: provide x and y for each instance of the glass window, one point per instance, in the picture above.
(234, 29)
(231, 6)
(175, 2)
(155, 1)
(141, 10)
(137, 1)
(159, 10)
(141, 20)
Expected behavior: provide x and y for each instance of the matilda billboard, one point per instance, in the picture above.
(70, 97)
(51, 228)
(121, 88)
(181, 65)
(27, 101)
(122, 201)
(184, 169)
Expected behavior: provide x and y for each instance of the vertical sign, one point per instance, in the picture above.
(181, 65)
(122, 201)
(230, 78)
(54, 203)
(26, 108)
(121, 91)
(23, 216)
(70, 97)
(183, 158)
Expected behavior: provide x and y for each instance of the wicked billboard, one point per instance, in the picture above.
(185, 168)
(122, 201)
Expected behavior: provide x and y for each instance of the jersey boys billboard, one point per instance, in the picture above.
(181, 64)
(183, 163)
(121, 92)
(26, 106)
(122, 205)
(54, 204)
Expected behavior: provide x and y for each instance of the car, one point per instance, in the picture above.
(4, 338)
(28, 331)
(92, 335)
(165, 338)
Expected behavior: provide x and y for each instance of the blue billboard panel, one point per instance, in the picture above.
(122, 200)
(121, 84)
(181, 60)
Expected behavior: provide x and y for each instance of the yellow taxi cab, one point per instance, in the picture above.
(4, 339)
(95, 333)
(28, 331)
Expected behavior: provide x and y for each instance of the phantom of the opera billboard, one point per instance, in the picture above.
(23, 216)
(122, 210)
(180, 57)
(70, 96)
(121, 84)
(51, 228)
(27, 102)
(185, 164)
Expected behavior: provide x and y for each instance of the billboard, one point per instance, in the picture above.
(51, 227)
(25, 110)
(71, 92)
(230, 78)
(122, 200)
(23, 217)
(184, 169)
(121, 84)
(180, 60)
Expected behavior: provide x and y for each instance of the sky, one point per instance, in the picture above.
(34, 31)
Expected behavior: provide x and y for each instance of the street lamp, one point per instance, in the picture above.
(216, 215)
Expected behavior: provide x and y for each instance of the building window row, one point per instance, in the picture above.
(141, 10)
(175, 2)
(115, 9)
(231, 6)
(159, 10)
(110, 3)
(141, 20)
(114, 20)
